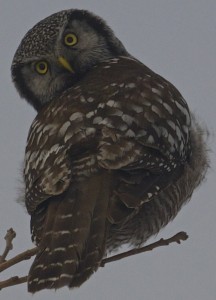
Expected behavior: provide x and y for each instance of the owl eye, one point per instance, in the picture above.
(41, 67)
(70, 39)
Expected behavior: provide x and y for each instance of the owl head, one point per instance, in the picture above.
(58, 51)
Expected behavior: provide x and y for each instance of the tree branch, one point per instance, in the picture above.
(177, 238)
(12, 281)
(10, 235)
(18, 258)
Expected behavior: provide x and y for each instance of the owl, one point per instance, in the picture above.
(112, 154)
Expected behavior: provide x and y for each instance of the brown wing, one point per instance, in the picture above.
(103, 149)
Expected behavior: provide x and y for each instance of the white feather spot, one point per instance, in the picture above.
(90, 114)
(64, 275)
(101, 105)
(156, 91)
(181, 107)
(59, 249)
(164, 132)
(53, 265)
(168, 108)
(107, 121)
(64, 128)
(110, 103)
(130, 85)
(90, 131)
(65, 216)
(114, 60)
(73, 246)
(150, 139)
(171, 139)
(41, 266)
(178, 133)
(69, 261)
(123, 127)
(156, 110)
(82, 99)
(78, 116)
(47, 127)
(171, 124)
(90, 99)
(97, 120)
(47, 279)
(160, 86)
(127, 119)
(130, 133)
(61, 232)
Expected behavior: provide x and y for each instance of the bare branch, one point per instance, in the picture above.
(18, 258)
(10, 235)
(177, 238)
(12, 281)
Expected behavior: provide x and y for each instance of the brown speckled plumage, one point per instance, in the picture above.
(111, 156)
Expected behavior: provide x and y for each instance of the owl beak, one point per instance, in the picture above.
(64, 63)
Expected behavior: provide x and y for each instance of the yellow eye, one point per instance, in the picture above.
(41, 67)
(70, 39)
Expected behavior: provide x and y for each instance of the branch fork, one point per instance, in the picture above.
(11, 234)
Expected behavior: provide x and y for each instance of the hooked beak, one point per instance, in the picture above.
(64, 63)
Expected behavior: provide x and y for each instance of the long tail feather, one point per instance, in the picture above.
(73, 240)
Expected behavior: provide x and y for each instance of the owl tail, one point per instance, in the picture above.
(72, 244)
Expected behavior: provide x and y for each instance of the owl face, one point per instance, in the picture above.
(59, 51)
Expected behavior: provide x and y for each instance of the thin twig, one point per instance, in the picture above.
(12, 281)
(177, 238)
(18, 258)
(10, 235)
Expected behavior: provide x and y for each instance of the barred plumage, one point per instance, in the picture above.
(112, 154)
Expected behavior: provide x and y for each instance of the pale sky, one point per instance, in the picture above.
(177, 39)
